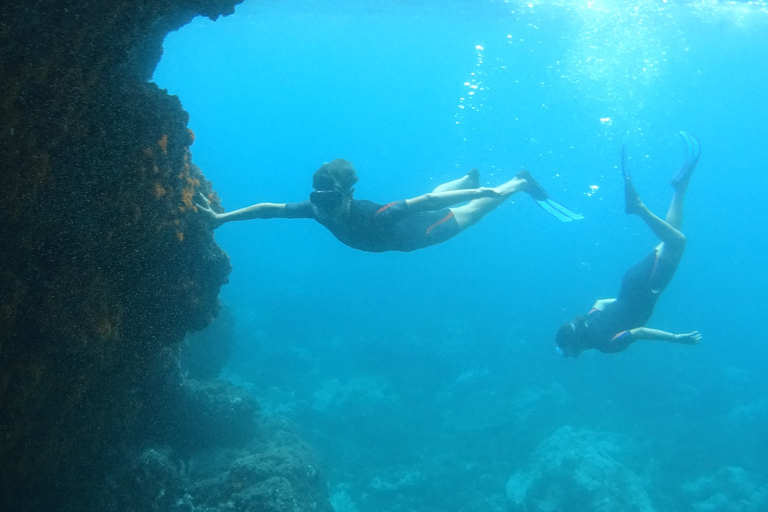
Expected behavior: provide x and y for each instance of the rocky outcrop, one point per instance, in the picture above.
(207, 448)
(579, 470)
(103, 260)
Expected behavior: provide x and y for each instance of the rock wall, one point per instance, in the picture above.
(103, 261)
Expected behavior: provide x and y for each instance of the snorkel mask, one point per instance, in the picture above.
(327, 199)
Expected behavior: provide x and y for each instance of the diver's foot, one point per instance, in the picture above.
(521, 182)
(510, 187)
(532, 187)
(472, 179)
(692, 154)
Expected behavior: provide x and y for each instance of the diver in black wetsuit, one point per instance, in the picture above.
(613, 324)
(404, 225)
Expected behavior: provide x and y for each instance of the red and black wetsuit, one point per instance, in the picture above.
(374, 227)
(607, 330)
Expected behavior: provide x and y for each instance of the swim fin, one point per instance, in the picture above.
(624, 163)
(559, 211)
(631, 197)
(692, 154)
(537, 192)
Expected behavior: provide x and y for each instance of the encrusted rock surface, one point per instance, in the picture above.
(579, 470)
(103, 261)
(208, 449)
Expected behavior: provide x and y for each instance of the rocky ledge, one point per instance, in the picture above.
(103, 260)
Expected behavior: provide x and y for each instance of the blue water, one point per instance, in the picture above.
(425, 380)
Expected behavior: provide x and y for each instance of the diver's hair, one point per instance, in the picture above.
(336, 174)
(565, 336)
(568, 338)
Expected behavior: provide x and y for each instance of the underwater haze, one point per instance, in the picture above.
(429, 381)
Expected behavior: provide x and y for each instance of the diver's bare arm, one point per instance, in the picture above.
(601, 303)
(437, 200)
(256, 211)
(644, 333)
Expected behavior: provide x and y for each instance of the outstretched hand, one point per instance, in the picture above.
(205, 207)
(691, 338)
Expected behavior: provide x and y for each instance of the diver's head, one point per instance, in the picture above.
(333, 183)
(568, 338)
(337, 174)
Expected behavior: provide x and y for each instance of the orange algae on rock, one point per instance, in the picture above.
(190, 188)
(82, 317)
(163, 143)
(188, 193)
(158, 191)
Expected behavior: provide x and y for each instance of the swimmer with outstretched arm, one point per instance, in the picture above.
(404, 225)
(614, 324)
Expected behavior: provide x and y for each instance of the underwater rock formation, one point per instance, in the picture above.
(578, 470)
(205, 353)
(189, 415)
(211, 450)
(732, 488)
(256, 478)
(103, 260)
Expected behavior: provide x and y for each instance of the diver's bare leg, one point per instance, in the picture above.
(675, 212)
(471, 213)
(682, 179)
(663, 230)
(672, 239)
(469, 180)
(675, 221)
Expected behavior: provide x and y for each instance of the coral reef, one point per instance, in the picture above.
(732, 488)
(209, 449)
(190, 414)
(578, 470)
(104, 261)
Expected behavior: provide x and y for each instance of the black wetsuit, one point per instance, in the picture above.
(607, 330)
(374, 227)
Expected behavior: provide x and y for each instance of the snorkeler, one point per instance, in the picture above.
(613, 324)
(404, 225)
